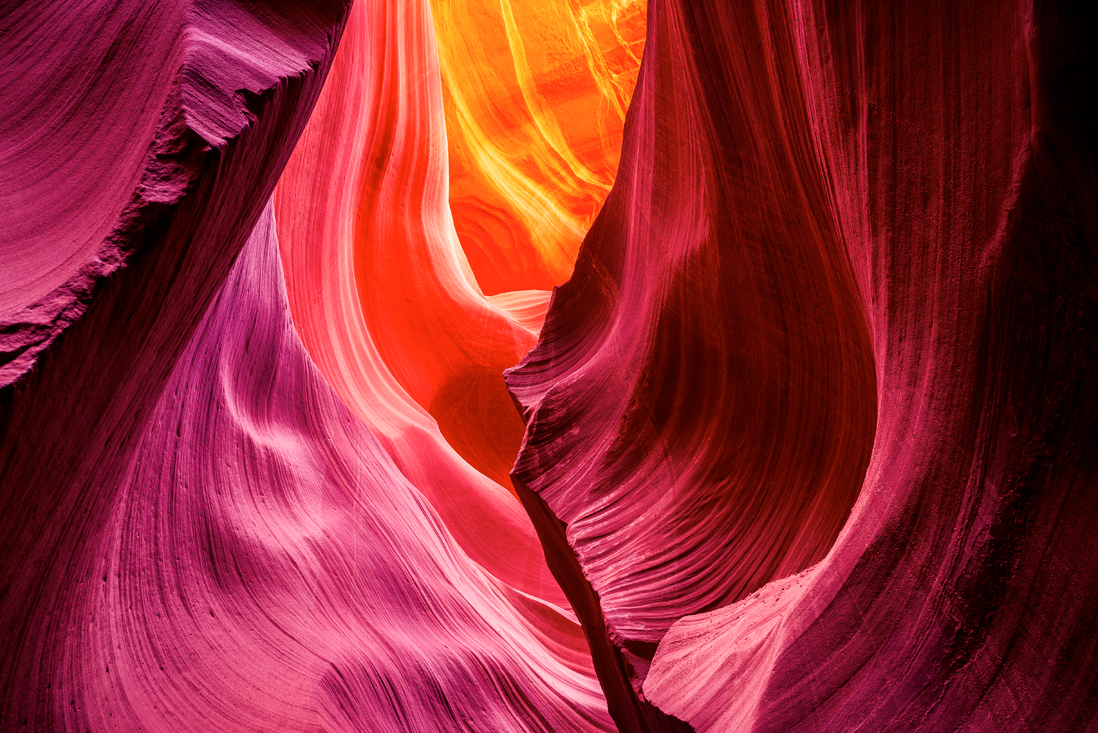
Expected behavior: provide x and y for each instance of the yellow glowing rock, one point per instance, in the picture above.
(535, 95)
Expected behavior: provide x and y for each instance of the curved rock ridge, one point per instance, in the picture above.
(139, 142)
(216, 542)
(385, 304)
(535, 95)
(900, 199)
(700, 407)
(961, 595)
(806, 443)
(383, 217)
(265, 565)
(107, 117)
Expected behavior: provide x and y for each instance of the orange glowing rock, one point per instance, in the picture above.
(383, 303)
(535, 97)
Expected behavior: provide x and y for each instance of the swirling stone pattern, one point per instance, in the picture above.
(356, 247)
(286, 575)
(713, 327)
(535, 94)
(805, 443)
(234, 549)
(899, 199)
(166, 125)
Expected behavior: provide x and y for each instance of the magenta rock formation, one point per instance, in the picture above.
(808, 442)
(712, 326)
(815, 204)
(286, 576)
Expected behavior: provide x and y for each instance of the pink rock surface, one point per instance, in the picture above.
(923, 175)
(146, 247)
(109, 116)
(220, 542)
(810, 435)
(362, 218)
(960, 595)
(265, 566)
(701, 404)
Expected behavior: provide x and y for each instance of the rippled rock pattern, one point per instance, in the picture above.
(803, 438)
(817, 205)
(536, 94)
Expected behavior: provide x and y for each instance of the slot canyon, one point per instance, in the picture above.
(497, 366)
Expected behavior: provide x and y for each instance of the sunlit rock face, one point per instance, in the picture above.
(701, 405)
(382, 298)
(356, 248)
(536, 94)
(803, 441)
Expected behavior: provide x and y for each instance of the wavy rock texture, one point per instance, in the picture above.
(208, 157)
(68, 429)
(536, 95)
(363, 224)
(100, 137)
(267, 567)
(962, 577)
(713, 328)
(383, 301)
(809, 434)
(814, 201)
(226, 546)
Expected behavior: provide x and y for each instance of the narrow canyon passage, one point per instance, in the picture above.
(528, 366)
(750, 421)
(380, 288)
(382, 293)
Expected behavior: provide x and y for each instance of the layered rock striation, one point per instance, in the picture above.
(535, 97)
(833, 228)
(140, 143)
(806, 443)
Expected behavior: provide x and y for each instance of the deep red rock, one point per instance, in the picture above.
(701, 404)
(810, 434)
(945, 155)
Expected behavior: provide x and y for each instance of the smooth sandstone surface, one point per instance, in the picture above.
(230, 547)
(801, 440)
(96, 351)
(286, 575)
(535, 97)
(834, 228)
(959, 596)
(701, 405)
(380, 297)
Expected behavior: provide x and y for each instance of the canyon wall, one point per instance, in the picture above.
(403, 366)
